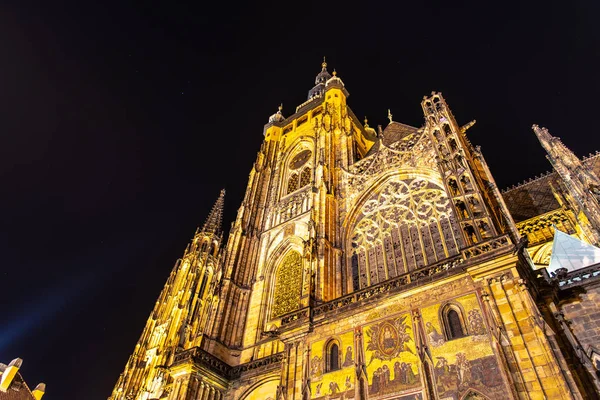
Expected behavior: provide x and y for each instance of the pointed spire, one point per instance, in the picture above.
(390, 116)
(580, 181)
(213, 222)
(543, 136)
(467, 126)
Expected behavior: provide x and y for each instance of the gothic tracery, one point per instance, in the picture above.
(288, 285)
(404, 225)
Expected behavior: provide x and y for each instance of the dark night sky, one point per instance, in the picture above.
(120, 123)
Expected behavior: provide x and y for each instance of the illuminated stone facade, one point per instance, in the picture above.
(372, 264)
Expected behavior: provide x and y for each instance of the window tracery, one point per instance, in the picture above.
(404, 226)
(300, 170)
(293, 183)
(305, 177)
(288, 285)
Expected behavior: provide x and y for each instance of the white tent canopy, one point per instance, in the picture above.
(571, 253)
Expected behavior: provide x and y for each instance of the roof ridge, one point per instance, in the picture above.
(547, 173)
(527, 181)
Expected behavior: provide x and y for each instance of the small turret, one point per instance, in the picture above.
(320, 81)
(9, 374)
(39, 391)
(278, 116)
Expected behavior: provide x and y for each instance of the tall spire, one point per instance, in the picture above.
(214, 219)
(582, 184)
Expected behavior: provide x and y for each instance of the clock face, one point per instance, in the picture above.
(300, 159)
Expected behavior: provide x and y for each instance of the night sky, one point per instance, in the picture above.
(120, 123)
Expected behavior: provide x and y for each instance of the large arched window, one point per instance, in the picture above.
(453, 321)
(300, 174)
(288, 285)
(332, 356)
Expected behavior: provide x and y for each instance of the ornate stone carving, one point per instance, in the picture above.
(499, 243)
(412, 151)
(404, 226)
(288, 285)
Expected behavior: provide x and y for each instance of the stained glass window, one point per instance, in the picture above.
(305, 177)
(288, 285)
(293, 183)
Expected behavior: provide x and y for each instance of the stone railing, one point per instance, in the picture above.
(199, 356)
(491, 245)
(301, 314)
(405, 281)
(290, 207)
(580, 277)
(271, 361)
(399, 283)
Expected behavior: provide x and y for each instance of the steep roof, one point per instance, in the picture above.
(535, 196)
(396, 131)
(18, 389)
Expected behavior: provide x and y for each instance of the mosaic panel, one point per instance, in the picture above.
(392, 364)
(464, 366)
(337, 384)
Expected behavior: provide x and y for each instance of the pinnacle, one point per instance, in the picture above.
(214, 219)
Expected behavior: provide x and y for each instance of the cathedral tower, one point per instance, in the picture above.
(179, 316)
(581, 184)
(362, 264)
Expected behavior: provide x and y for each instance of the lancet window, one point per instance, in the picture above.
(453, 321)
(332, 356)
(293, 183)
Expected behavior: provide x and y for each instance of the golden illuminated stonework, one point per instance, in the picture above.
(383, 264)
(288, 285)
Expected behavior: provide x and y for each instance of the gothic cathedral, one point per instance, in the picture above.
(382, 264)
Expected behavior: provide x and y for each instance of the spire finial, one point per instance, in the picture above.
(324, 64)
(390, 116)
(214, 219)
(366, 121)
(334, 72)
(280, 107)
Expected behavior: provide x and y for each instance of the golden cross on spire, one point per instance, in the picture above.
(324, 64)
